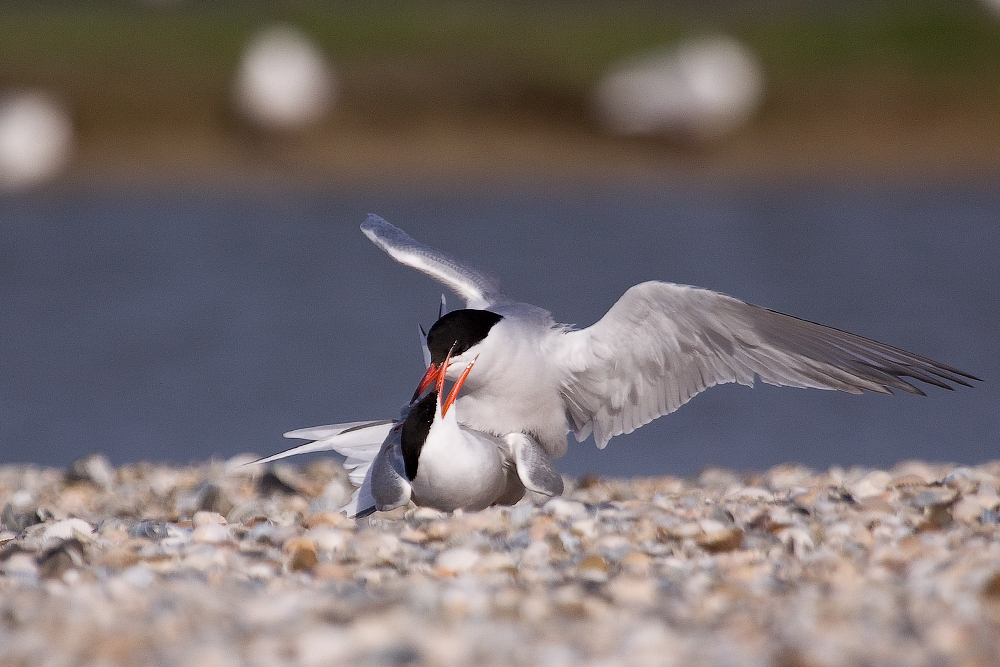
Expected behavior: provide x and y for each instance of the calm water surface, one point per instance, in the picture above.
(185, 324)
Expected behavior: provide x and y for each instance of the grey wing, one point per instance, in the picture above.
(390, 487)
(534, 467)
(362, 502)
(478, 289)
(661, 344)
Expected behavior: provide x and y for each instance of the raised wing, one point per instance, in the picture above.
(661, 344)
(478, 289)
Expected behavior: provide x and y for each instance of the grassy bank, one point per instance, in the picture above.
(881, 84)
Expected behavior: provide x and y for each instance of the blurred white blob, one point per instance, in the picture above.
(283, 81)
(703, 89)
(36, 137)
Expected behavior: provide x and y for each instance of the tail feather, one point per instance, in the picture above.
(359, 442)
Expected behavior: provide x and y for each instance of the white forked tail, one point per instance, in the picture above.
(359, 442)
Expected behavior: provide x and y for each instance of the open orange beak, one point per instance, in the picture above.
(429, 377)
(453, 395)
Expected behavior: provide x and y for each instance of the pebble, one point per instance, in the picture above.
(457, 561)
(67, 529)
(210, 533)
(871, 484)
(787, 567)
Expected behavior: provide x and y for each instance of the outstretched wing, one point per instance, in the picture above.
(661, 344)
(478, 289)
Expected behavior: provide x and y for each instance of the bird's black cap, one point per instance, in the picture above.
(459, 330)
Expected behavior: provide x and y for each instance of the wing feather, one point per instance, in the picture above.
(478, 289)
(661, 344)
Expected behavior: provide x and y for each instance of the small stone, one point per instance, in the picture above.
(935, 497)
(302, 552)
(496, 562)
(989, 517)
(456, 561)
(633, 591)
(787, 477)
(750, 493)
(913, 473)
(413, 535)
(936, 517)
(58, 560)
(139, 576)
(967, 510)
(876, 504)
(797, 539)
(327, 540)
(991, 589)
(150, 530)
(537, 554)
(565, 509)
(331, 571)
(67, 529)
(21, 564)
(206, 518)
(427, 514)
(636, 562)
(964, 480)
(212, 498)
(465, 600)
(593, 568)
(211, 533)
(718, 537)
(681, 531)
(534, 609)
(872, 484)
(119, 558)
(909, 480)
(95, 469)
(323, 645)
(586, 528)
(333, 519)
(15, 521)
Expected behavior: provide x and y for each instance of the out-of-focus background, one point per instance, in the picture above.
(181, 184)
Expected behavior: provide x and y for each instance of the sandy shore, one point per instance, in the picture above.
(202, 565)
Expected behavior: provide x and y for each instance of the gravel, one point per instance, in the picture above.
(214, 565)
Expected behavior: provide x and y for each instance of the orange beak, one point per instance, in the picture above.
(453, 396)
(429, 377)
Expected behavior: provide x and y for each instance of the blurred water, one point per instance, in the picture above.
(186, 324)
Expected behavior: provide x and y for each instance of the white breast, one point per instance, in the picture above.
(515, 386)
(458, 468)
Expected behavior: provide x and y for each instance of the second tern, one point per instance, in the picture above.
(427, 457)
(655, 349)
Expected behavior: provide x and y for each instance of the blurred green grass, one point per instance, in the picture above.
(134, 67)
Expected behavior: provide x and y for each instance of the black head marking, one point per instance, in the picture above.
(459, 330)
(415, 430)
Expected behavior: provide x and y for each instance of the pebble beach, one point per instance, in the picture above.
(218, 565)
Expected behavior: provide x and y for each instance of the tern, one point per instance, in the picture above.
(428, 458)
(653, 351)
